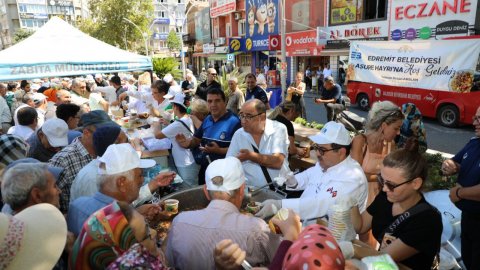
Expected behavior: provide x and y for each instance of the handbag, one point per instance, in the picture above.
(417, 209)
(198, 155)
(264, 171)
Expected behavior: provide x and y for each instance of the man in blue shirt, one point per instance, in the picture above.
(331, 94)
(214, 135)
(255, 91)
(466, 194)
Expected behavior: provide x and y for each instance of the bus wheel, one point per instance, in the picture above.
(448, 115)
(363, 102)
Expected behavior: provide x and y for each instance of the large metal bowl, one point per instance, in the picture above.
(194, 198)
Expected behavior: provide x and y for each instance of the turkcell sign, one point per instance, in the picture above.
(262, 21)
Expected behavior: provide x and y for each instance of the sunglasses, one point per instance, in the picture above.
(389, 184)
(322, 150)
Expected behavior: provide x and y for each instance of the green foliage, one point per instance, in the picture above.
(162, 66)
(22, 34)
(173, 41)
(107, 22)
(435, 179)
(223, 80)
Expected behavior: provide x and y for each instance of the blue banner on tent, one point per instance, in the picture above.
(262, 21)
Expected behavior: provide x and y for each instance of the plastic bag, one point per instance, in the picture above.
(339, 221)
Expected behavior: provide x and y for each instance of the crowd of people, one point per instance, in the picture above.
(73, 187)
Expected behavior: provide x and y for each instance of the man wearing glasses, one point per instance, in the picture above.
(208, 84)
(466, 194)
(261, 144)
(335, 176)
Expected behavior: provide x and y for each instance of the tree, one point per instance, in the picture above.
(162, 66)
(173, 41)
(22, 34)
(107, 21)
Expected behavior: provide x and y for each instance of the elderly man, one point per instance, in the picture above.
(335, 176)
(79, 92)
(236, 98)
(255, 91)
(120, 178)
(41, 103)
(48, 140)
(209, 83)
(331, 94)
(466, 194)
(27, 101)
(100, 81)
(214, 135)
(261, 144)
(188, 86)
(37, 185)
(5, 114)
(78, 154)
(193, 234)
(27, 123)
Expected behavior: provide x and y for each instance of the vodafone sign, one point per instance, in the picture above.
(302, 43)
(274, 43)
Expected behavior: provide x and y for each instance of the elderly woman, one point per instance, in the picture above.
(198, 112)
(369, 149)
(115, 230)
(407, 226)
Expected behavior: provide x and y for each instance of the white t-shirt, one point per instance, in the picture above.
(23, 132)
(327, 72)
(109, 91)
(182, 157)
(274, 140)
(322, 189)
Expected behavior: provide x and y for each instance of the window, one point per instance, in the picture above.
(228, 30)
(241, 27)
(347, 12)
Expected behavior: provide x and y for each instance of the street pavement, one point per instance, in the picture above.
(439, 138)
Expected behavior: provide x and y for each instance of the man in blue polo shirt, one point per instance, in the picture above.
(255, 91)
(331, 94)
(214, 135)
(466, 194)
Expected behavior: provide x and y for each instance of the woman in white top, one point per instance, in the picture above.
(154, 100)
(183, 158)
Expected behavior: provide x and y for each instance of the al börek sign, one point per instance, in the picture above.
(450, 67)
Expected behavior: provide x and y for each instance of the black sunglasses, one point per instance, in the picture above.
(322, 150)
(390, 185)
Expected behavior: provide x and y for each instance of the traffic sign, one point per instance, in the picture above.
(230, 57)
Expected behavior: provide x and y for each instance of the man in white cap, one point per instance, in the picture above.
(335, 176)
(41, 104)
(194, 234)
(120, 178)
(48, 140)
(174, 87)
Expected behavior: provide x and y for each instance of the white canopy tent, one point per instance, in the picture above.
(59, 49)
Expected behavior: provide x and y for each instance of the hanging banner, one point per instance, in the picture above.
(450, 67)
(222, 7)
(262, 21)
(202, 26)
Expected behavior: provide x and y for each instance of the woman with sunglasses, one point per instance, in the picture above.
(369, 149)
(407, 226)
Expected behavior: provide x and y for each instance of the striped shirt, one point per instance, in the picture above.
(194, 234)
(72, 159)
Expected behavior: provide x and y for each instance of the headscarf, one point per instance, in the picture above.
(137, 257)
(105, 236)
(412, 127)
(315, 248)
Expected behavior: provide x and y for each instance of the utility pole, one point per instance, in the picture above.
(283, 58)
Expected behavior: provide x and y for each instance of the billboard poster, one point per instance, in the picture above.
(450, 67)
(262, 21)
(236, 45)
(222, 7)
(432, 19)
(302, 43)
(302, 15)
(202, 26)
(343, 11)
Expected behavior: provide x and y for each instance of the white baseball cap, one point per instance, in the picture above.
(122, 157)
(224, 174)
(332, 132)
(38, 97)
(56, 131)
(179, 99)
(168, 78)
